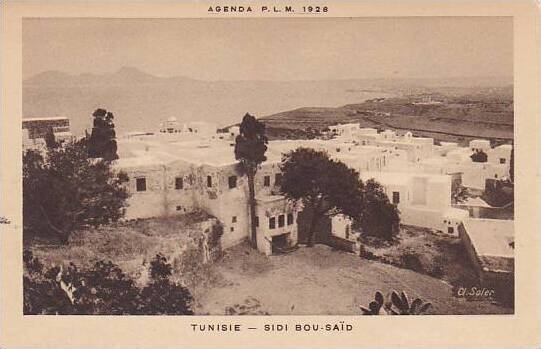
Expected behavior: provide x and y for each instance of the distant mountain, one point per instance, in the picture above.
(140, 100)
(125, 75)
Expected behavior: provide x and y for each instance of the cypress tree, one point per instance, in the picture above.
(102, 142)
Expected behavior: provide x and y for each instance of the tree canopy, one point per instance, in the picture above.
(251, 143)
(64, 190)
(328, 187)
(102, 141)
(379, 217)
(325, 186)
(250, 148)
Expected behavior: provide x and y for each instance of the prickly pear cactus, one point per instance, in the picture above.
(375, 307)
(400, 305)
(397, 304)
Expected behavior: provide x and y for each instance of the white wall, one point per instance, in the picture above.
(274, 209)
(341, 227)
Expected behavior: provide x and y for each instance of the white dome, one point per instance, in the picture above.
(172, 119)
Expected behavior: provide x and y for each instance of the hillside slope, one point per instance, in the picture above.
(453, 115)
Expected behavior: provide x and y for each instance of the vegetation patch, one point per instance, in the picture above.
(188, 241)
(425, 251)
(102, 289)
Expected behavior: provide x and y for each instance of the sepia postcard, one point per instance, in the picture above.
(251, 174)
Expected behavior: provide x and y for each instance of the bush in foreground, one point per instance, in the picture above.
(103, 289)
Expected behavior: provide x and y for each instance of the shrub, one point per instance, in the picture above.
(437, 269)
(42, 293)
(64, 191)
(379, 217)
(103, 289)
(364, 253)
(411, 260)
(161, 296)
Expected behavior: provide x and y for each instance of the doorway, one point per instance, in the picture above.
(280, 243)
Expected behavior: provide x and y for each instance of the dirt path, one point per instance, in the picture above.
(319, 281)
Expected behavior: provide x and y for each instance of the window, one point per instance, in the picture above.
(272, 223)
(289, 218)
(281, 220)
(179, 208)
(495, 175)
(266, 181)
(396, 197)
(450, 230)
(347, 231)
(232, 182)
(179, 183)
(257, 221)
(231, 229)
(234, 219)
(502, 160)
(209, 181)
(278, 179)
(141, 184)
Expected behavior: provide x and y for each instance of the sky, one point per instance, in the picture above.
(273, 48)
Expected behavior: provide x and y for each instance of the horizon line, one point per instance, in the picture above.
(501, 77)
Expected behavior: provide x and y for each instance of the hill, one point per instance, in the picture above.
(480, 107)
(456, 114)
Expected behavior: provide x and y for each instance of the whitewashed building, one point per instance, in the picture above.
(197, 170)
(169, 177)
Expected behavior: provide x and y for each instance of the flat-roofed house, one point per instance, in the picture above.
(490, 244)
(172, 175)
(276, 224)
(38, 127)
(35, 129)
(168, 178)
(423, 199)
